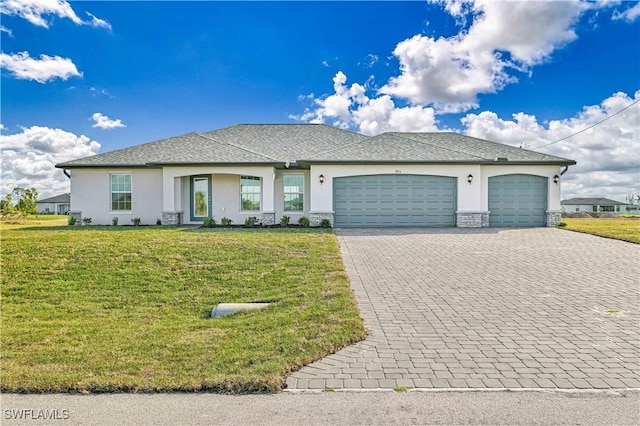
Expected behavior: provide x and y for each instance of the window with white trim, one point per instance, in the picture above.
(250, 193)
(293, 192)
(120, 191)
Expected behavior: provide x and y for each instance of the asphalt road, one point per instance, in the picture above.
(383, 407)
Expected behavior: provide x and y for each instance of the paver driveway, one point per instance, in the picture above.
(488, 308)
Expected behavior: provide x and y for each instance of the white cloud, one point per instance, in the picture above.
(35, 11)
(47, 68)
(369, 61)
(29, 157)
(628, 15)
(608, 155)
(97, 22)
(325, 64)
(350, 107)
(103, 122)
(449, 73)
(6, 30)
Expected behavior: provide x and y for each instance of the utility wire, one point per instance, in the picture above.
(590, 127)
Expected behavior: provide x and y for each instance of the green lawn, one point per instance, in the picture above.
(626, 229)
(99, 309)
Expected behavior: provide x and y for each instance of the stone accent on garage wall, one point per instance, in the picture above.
(315, 218)
(553, 217)
(172, 218)
(472, 219)
(268, 218)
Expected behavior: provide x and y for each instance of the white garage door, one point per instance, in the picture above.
(394, 200)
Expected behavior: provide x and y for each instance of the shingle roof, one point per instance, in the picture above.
(62, 198)
(286, 142)
(437, 147)
(310, 143)
(591, 202)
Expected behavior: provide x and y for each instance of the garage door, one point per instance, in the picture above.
(517, 200)
(394, 200)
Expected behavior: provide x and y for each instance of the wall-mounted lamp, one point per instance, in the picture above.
(321, 178)
(470, 178)
(556, 179)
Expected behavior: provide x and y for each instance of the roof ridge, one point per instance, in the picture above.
(437, 146)
(237, 146)
(340, 147)
(510, 146)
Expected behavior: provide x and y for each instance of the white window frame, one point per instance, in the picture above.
(111, 192)
(284, 192)
(242, 193)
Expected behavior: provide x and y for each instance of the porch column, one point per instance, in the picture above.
(171, 196)
(268, 198)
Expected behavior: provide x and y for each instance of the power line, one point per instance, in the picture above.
(590, 127)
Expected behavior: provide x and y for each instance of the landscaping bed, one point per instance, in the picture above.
(104, 309)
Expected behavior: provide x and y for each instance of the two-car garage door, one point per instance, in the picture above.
(394, 200)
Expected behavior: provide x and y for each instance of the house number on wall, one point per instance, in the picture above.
(398, 171)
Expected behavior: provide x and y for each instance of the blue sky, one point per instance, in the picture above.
(117, 74)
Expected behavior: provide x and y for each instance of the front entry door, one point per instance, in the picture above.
(200, 198)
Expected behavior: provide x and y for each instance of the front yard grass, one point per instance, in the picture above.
(622, 228)
(104, 309)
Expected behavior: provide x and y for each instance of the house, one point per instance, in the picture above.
(594, 205)
(60, 204)
(321, 172)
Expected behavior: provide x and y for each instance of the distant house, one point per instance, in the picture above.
(60, 204)
(593, 205)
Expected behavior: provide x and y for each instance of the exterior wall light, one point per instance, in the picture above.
(556, 179)
(321, 178)
(470, 178)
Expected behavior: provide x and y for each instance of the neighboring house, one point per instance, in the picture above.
(594, 205)
(60, 204)
(314, 170)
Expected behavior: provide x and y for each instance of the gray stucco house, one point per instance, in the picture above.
(274, 170)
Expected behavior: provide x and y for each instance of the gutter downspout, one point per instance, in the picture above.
(561, 173)
(66, 173)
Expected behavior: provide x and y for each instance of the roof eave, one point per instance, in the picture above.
(481, 162)
(235, 163)
(104, 166)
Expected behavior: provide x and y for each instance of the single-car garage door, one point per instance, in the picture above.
(517, 200)
(394, 200)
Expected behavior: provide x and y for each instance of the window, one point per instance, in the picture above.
(250, 193)
(617, 208)
(120, 192)
(577, 208)
(293, 193)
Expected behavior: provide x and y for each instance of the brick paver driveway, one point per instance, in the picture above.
(489, 308)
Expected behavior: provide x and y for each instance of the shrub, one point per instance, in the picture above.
(86, 220)
(209, 222)
(71, 220)
(284, 221)
(114, 221)
(304, 222)
(225, 221)
(250, 221)
(158, 221)
(136, 221)
(325, 223)
(561, 224)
